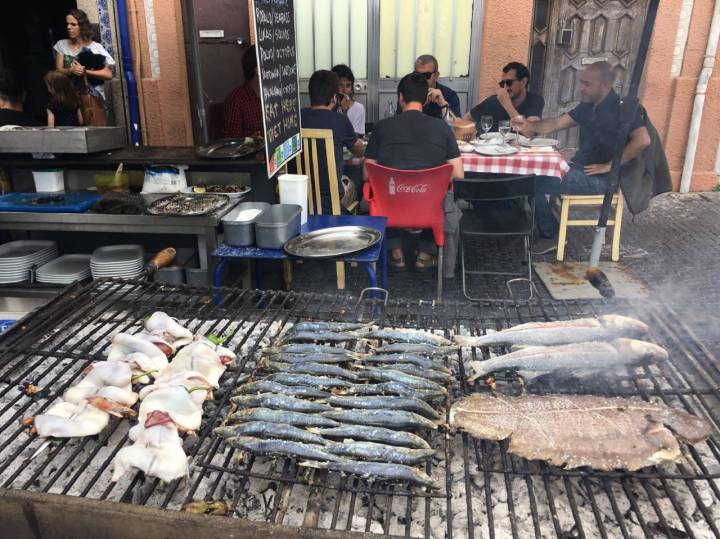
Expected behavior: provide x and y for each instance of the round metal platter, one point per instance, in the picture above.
(332, 242)
(188, 204)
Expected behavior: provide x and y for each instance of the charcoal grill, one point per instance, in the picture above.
(486, 491)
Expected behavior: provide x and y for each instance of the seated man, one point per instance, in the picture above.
(413, 140)
(511, 100)
(242, 111)
(12, 98)
(322, 114)
(440, 99)
(598, 118)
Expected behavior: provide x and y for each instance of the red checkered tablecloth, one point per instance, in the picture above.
(524, 162)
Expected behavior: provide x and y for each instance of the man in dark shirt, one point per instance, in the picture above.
(242, 109)
(323, 90)
(12, 97)
(599, 119)
(413, 140)
(511, 100)
(440, 99)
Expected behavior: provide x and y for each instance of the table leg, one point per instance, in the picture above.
(217, 279)
(370, 273)
(259, 281)
(383, 264)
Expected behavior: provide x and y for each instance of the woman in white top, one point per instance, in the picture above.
(354, 110)
(80, 40)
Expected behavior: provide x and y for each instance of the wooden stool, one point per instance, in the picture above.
(589, 200)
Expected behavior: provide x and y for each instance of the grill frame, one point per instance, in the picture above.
(693, 381)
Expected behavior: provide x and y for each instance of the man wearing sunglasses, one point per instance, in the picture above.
(511, 100)
(441, 100)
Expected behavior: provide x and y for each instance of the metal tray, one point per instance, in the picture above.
(187, 204)
(332, 242)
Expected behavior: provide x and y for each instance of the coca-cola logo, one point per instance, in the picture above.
(418, 188)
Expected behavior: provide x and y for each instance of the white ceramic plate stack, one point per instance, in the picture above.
(64, 270)
(17, 257)
(119, 261)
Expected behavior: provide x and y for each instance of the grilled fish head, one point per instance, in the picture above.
(623, 325)
(634, 348)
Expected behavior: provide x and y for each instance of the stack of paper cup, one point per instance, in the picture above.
(294, 190)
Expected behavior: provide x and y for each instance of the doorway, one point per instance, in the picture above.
(569, 34)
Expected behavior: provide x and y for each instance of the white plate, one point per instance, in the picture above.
(496, 150)
(492, 135)
(25, 248)
(119, 265)
(118, 254)
(538, 141)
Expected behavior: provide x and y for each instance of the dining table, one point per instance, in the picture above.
(541, 161)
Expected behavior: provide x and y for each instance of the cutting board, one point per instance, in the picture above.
(44, 203)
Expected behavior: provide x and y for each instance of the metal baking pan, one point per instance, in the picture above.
(62, 139)
(333, 242)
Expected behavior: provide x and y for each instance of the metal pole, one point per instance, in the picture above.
(127, 66)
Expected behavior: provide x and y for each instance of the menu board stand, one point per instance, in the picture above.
(278, 74)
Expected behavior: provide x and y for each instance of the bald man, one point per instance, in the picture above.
(598, 116)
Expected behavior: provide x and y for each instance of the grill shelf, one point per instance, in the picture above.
(486, 491)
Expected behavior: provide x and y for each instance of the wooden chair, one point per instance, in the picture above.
(307, 163)
(589, 200)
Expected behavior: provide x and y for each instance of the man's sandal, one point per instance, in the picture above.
(424, 264)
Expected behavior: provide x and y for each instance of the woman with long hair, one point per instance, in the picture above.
(85, 61)
(64, 104)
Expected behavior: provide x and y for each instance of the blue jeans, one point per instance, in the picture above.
(575, 182)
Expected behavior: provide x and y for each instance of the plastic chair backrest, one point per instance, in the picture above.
(409, 198)
(496, 187)
(307, 163)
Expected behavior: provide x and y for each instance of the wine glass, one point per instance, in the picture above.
(515, 124)
(504, 129)
(486, 123)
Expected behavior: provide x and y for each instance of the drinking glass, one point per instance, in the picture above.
(504, 129)
(516, 127)
(486, 123)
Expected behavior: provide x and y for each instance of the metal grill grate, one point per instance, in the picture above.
(486, 491)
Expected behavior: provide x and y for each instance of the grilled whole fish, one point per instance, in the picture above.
(377, 470)
(580, 430)
(298, 419)
(580, 358)
(295, 379)
(305, 348)
(405, 335)
(373, 434)
(308, 358)
(602, 328)
(320, 336)
(329, 326)
(264, 429)
(280, 448)
(391, 388)
(386, 403)
(419, 349)
(390, 375)
(382, 418)
(266, 386)
(429, 374)
(379, 452)
(420, 361)
(320, 369)
(279, 402)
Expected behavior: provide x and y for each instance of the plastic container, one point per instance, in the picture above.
(106, 181)
(242, 233)
(171, 275)
(276, 225)
(49, 181)
(165, 179)
(294, 190)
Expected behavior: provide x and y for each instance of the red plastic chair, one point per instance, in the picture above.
(411, 199)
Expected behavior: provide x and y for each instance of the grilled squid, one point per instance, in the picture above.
(69, 420)
(145, 358)
(110, 380)
(177, 402)
(169, 329)
(203, 358)
(196, 384)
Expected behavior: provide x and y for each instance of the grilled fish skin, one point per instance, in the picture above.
(602, 328)
(279, 402)
(379, 452)
(307, 358)
(265, 429)
(421, 349)
(420, 361)
(266, 386)
(405, 335)
(391, 388)
(305, 348)
(320, 369)
(329, 326)
(579, 358)
(373, 434)
(320, 336)
(299, 419)
(377, 470)
(280, 448)
(381, 418)
(428, 374)
(386, 403)
(390, 375)
(295, 379)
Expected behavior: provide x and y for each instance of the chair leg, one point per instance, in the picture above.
(440, 274)
(462, 267)
(564, 211)
(340, 270)
(615, 253)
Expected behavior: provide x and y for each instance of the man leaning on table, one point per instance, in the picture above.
(441, 101)
(599, 121)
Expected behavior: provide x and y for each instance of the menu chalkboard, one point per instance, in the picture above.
(279, 88)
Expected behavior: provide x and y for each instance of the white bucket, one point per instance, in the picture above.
(49, 181)
(294, 190)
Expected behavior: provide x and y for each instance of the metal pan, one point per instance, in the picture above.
(332, 242)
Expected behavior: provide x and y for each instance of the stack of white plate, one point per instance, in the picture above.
(17, 257)
(64, 270)
(119, 261)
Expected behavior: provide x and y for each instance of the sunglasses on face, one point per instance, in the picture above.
(427, 75)
(506, 82)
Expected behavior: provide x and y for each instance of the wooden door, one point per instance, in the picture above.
(599, 30)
